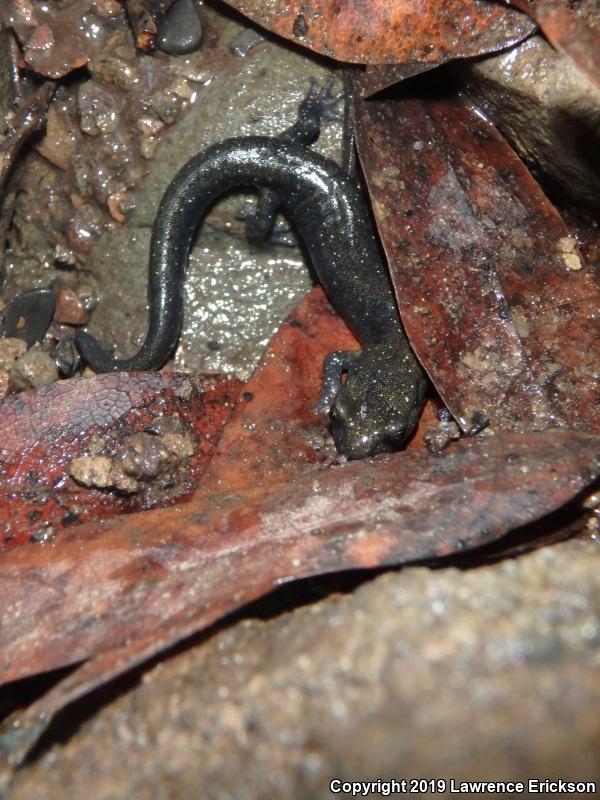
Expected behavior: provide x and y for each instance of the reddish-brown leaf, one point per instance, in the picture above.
(492, 291)
(141, 587)
(42, 431)
(571, 27)
(391, 31)
(272, 507)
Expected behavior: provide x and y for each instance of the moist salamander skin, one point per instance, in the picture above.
(377, 407)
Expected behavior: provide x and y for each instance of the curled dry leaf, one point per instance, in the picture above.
(43, 432)
(391, 31)
(493, 293)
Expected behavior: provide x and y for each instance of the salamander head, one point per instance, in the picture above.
(377, 408)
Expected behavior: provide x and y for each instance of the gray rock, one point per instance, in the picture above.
(490, 673)
(33, 369)
(10, 350)
(547, 109)
(180, 28)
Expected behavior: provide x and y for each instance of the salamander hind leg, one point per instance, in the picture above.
(316, 108)
(261, 220)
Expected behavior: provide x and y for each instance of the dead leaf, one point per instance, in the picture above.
(286, 514)
(42, 431)
(212, 560)
(375, 78)
(391, 31)
(494, 296)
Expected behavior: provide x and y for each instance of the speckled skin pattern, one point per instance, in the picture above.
(377, 407)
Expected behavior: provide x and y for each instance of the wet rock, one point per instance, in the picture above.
(180, 28)
(547, 109)
(66, 357)
(70, 308)
(10, 351)
(443, 673)
(119, 69)
(107, 8)
(143, 24)
(28, 315)
(58, 144)
(33, 369)
(87, 291)
(98, 109)
(167, 105)
(42, 535)
(438, 437)
(149, 128)
(84, 226)
(245, 42)
(92, 471)
(56, 37)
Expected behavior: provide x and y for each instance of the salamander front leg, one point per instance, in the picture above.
(334, 366)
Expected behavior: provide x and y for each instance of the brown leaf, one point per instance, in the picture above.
(272, 507)
(42, 432)
(492, 290)
(128, 603)
(571, 27)
(290, 513)
(389, 31)
(375, 78)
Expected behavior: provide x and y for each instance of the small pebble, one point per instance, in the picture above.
(10, 350)
(437, 438)
(67, 357)
(166, 105)
(45, 534)
(92, 471)
(70, 308)
(99, 472)
(4, 383)
(107, 8)
(180, 28)
(245, 41)
(97, 109)
(33, 369)
(88, 293)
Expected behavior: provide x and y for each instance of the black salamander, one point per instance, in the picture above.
(377, 407)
